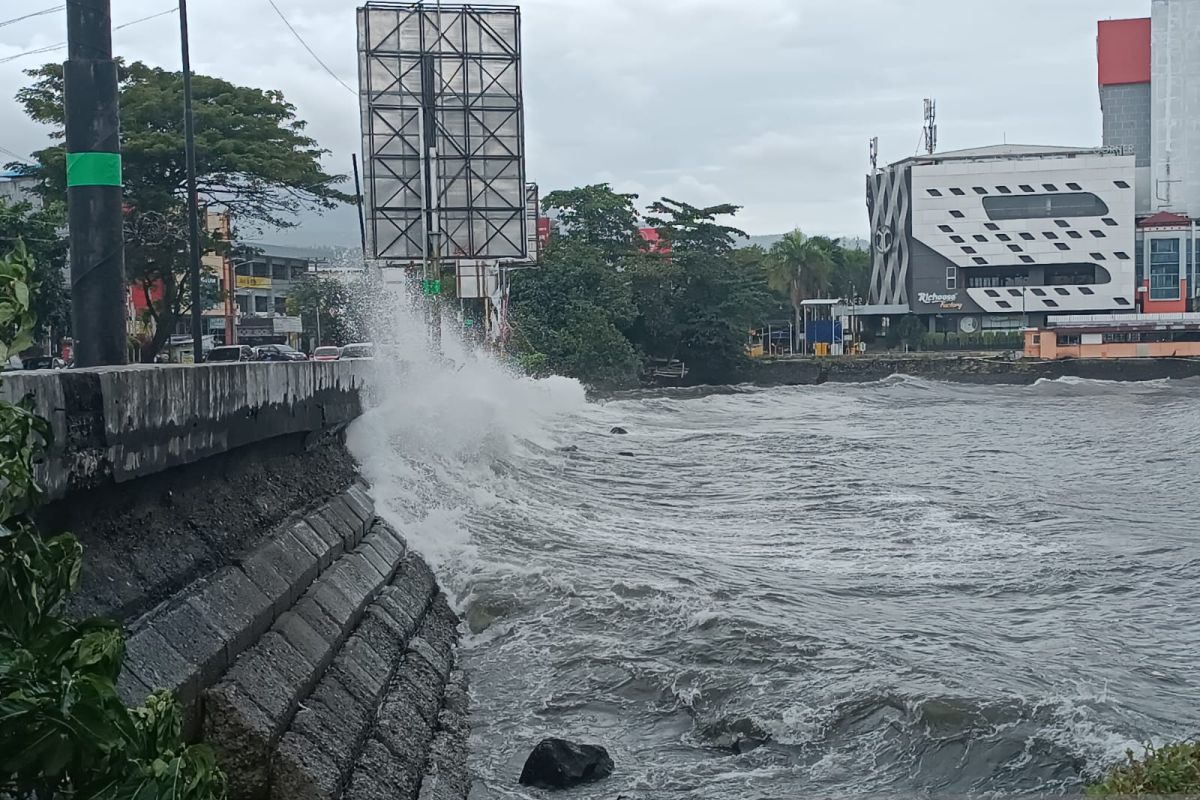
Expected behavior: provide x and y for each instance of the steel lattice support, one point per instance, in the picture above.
(443, 131)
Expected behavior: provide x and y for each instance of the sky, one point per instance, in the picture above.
(767, 104)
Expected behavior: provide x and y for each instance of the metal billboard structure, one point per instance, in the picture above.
(443, 132)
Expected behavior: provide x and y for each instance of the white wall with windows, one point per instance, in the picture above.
(1033, 232)
(1165, 259)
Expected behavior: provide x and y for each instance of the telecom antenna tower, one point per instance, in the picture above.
(930, 131)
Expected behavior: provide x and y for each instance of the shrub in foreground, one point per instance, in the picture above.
(1170, 769)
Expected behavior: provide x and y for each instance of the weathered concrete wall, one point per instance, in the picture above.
(224, 523)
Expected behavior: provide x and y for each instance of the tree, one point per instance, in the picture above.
(40, 229)
(598, 216)
(323, 304)
(697, 299)
(800, 266)
(252, 158)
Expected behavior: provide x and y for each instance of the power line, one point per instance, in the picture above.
(8, 152)
(316, 57)
(41, 13)
(51, 48)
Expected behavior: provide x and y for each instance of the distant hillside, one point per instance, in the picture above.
(765, 242)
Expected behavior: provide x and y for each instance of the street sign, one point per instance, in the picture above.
(431, 288)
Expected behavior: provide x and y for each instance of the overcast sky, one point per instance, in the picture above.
(765, 103)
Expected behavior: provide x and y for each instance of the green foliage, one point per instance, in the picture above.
(1172, 769)
(911, 331)
(330, 299)
(40, 231)
(598, 216)
(64, 731)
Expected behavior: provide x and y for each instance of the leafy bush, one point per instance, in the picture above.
(1170, 769)
(64, 731)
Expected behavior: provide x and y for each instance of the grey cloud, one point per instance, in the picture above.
(764, 103)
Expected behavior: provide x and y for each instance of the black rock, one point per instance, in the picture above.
(618, 431)
(559, 764)
(737, 734)
(626, 453)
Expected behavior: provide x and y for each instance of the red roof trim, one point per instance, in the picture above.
(1165, 219)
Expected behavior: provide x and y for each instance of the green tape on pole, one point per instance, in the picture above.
(93, 169)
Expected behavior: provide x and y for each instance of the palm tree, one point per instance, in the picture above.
(801, 266)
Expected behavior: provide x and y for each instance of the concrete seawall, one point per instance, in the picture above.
(225, 525)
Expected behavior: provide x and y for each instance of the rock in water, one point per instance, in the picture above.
(738, 734)
(618, 431)
(626, 453)
(559, 764)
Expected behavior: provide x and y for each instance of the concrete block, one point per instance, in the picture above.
(330, 595)
(378, 562)
(361, 671)
(317, 649)
(402, 728)
(357, 579)
(388, 533)
(358, 501)
(416, 573)
(339, 525)
(446, 776)
(235, 607)
(194, 638)
(316, 545)
(293, 562)
(456, 698)
(386, 637)
(156, 664)
(335, 721)
(275, 675)
(301, 770)
(335, 543)
(379, 775)
(390, 547)
(317, 618)
(131, 689)
(440, 661)
(339, 508)
(240, 733)
(404, 609)
(262, 573)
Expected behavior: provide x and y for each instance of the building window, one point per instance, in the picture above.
(991, 293)
(299, 271)
(1003, 190)
(1070, 275)
(243, 303)
(1062, 246)
(1037, 338)
(261, 269)
(980, 190)
(281, 305)
(934, 193)
(979, 237)
(1121, 256)
(242, 269)
(1045, 206)
(1027, 259)
(991, 226)
(1099, 234)
(956, 214)
(1097, 256)
(1062, 292)
(1074, 187)
(1050, 235)
(945, 229)
(1121, 301)
(1050, 303)
(1049, 187)
(1121, 184)
(951, 278)
(1086, 290)
(1164, 269)
(261, 304)
(1075, 234)
(957, 192)
(1025, 187)
(957, 239)
(279, 271)
(1110, 222)
(1062, 223)
(969, 251)
(980, 261)
(1027, 237)
(1068, 340)
(1016, 248)
(1004, 237)
(1003, 304)
(1037, 292)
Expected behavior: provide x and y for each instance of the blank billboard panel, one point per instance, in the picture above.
(443, 130)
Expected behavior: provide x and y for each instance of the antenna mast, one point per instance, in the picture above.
(929, 136)
(874, 153)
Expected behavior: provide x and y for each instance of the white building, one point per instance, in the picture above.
(998, 237)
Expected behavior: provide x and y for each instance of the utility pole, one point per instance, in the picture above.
(94, 196)
(193, 210)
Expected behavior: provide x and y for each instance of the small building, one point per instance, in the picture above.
(1115, 336)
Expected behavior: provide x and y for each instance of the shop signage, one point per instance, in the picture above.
(287, 324)
(248, 282)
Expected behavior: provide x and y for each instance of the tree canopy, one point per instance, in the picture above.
(253, 158)
(40, 231)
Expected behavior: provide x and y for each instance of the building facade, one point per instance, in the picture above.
(996, 238)
(1149, 82)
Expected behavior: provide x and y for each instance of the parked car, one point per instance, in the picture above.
(233, 352)
(278, 352)
(327, 354)
(43, 362)
(359, 350)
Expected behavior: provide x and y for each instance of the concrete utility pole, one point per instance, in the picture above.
(193, 210)
(94, 197)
